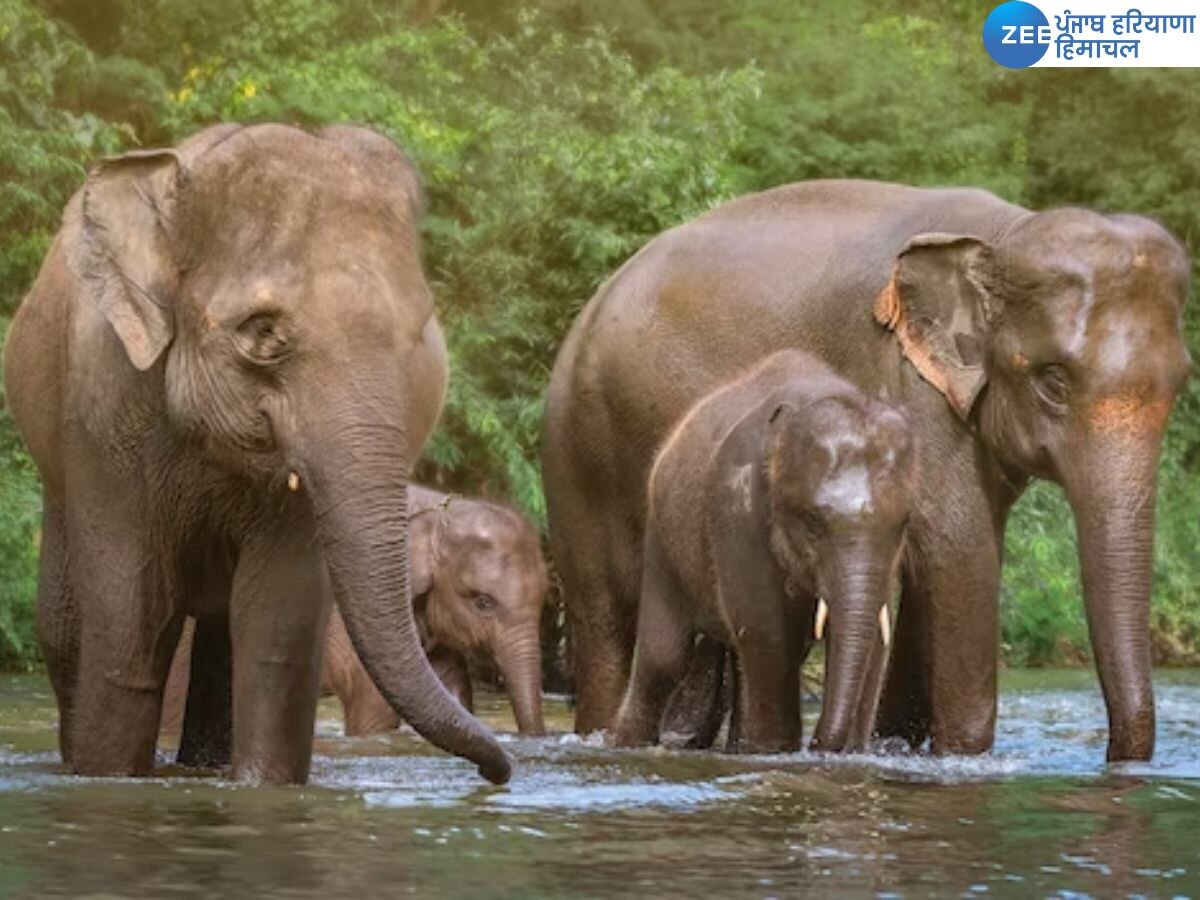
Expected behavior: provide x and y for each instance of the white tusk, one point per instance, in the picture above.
(885, 625)
(822, 617)
(293, 482)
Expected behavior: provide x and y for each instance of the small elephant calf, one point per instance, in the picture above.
(777, 508)
(479, 583)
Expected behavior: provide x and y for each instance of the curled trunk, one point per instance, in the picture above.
(359, 495)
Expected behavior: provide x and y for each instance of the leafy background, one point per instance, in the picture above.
(556, 138)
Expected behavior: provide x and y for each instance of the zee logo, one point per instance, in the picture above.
(1016, 34)
(1025, 34)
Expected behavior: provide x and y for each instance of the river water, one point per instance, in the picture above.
(1041, 816)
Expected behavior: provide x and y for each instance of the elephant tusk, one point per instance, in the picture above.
(822, 618)
(885, 625)
(293, 482)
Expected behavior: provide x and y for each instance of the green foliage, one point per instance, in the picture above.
(1042, 618)
(44, 147)
(44, 151)
(548, 159)
(20, 513)
(554, 144)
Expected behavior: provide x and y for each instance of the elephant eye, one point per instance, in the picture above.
(485, 603)
(1052, 385)
(261, 339)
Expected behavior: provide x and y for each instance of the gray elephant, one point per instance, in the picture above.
(1018, 344)
(479, 585)
(223, 372)
(776, 506)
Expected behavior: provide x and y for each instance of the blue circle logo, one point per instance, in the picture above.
(1016, 34)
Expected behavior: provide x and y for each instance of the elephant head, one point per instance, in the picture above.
(1061, 345)
(840, 474)
(480, 580)
(269, 280)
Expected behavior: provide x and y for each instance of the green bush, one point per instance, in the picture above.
(20, 514)
(548, 160)
(44, 150)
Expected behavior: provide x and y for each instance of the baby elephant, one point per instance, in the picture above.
(778, 502)
(479, 584)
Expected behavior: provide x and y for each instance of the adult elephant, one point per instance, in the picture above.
(1019, 344)
(223, 371)
(479, 586)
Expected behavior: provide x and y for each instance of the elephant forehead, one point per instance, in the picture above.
(479, 557)
(310, 197)
(1098, 261)
(503, 572)
(846, 491)
(1120, 340)
(1109, 320)
(277, 287)
(1135, 349)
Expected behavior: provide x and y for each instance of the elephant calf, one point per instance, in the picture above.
(778, 503)
(479, 584)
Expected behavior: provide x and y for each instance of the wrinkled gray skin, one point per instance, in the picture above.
(1017, 344)
(479, 583)
(223, 371)
(785, 486)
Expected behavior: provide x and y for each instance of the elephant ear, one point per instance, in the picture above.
(123, 253)
(939, 310)
(420, 555)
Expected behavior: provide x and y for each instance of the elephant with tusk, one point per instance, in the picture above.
(479, 582)
(1019, 344)
(224, 371)
(786, 486)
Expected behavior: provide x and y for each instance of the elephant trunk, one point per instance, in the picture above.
(1112, 493)
(359, 496)
(859, 592)
(520, 660)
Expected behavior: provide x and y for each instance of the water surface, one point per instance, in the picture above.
(1041, 816)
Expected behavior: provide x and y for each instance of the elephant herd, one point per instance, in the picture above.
(767, 425)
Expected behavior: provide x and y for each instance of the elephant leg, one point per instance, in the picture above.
(904, 710)
(697, 708)
(279, 611)
(175, 694)
(129, 628)
(734, 736)
(58, 624)
(768, 659)
(600, 651)
(207, 738)
(941, 683)
(366, 711)
(602, 576)
(665, 641)
(452, 669)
